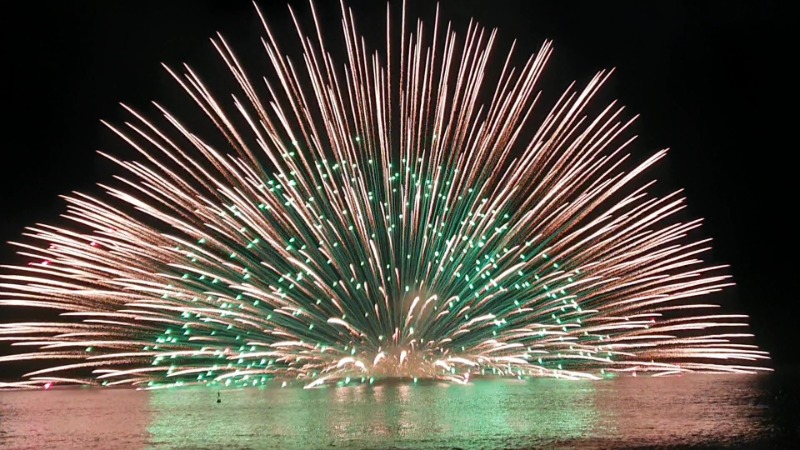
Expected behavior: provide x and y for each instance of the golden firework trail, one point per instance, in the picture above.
(396, 214)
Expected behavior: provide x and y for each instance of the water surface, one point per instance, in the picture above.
(706, 411)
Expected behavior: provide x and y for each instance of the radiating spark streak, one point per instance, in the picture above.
(369, 219)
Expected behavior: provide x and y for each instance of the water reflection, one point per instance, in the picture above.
(625, 412)
(368, 416)
(680, 411)
(73, 418)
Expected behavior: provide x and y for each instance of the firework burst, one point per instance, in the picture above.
(396, 214)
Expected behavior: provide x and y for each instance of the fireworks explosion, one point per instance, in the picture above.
(398, 214)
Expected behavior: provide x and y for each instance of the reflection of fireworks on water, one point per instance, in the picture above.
(375, 221)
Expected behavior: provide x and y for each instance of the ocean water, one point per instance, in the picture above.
(695, 411)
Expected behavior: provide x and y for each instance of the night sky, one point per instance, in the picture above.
(711, 81)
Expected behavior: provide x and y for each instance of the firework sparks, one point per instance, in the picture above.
(374, 221)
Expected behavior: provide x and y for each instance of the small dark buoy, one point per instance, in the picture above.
(219, 400)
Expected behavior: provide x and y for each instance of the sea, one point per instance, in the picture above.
(690, 411)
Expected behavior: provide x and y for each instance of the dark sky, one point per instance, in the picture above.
(711, 81)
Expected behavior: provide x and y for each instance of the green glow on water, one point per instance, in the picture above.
(463, 416)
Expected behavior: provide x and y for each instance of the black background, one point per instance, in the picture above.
(711, 80)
